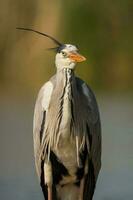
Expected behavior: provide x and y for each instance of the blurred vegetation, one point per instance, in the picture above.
(102, 30)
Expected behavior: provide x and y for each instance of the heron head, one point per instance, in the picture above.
(67, 56)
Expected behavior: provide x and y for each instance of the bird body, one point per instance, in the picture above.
(68, 101)
(66, 131)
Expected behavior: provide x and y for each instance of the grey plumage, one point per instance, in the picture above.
(84, 125)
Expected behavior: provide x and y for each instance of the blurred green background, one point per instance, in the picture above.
(103, 32)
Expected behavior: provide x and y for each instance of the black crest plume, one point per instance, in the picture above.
(44, 34)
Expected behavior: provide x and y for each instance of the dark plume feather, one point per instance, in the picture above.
(44, 34)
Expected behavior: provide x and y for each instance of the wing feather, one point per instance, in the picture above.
(94, 137)
(41, 107)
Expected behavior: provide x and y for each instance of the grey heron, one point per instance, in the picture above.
(66, 131)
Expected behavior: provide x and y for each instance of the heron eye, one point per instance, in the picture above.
(64, 53)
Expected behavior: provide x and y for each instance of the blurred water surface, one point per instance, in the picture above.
(18, 179)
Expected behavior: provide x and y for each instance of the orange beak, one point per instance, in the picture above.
(76, 57)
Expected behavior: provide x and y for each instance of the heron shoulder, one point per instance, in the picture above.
(91, 99)
(86, 89)
(44, 95)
